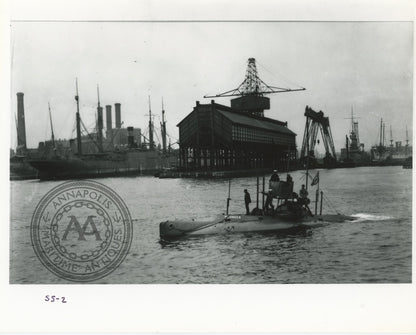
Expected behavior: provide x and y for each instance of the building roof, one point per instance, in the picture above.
(249, 121)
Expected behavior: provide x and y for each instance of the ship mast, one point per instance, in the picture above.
(391, 138)
(163, 129)
(407, 141)
(78, 119)
(50, 118)
(347, 147)
(99, 122)
(355, 141)
(151, 143)
(407, 138)
(381, 132)
(307, 159)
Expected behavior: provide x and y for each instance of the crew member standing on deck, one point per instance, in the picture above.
(303, 200)
(247, 200)
(275, 176)
(274, 182)
(303, 195)
(269, 201)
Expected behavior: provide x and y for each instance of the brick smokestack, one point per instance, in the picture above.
(108, 117)
(118, 115)
(21, 127)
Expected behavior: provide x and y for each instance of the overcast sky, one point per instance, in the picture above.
(343, 65)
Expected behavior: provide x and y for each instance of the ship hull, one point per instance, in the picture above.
(96, 166)
(72, 169)
(21, 170)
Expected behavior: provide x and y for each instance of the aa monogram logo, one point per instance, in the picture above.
(81, 230)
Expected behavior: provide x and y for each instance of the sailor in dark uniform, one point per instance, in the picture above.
(303, 193)
(275, 176)
(274, 181)
(303, 196)
(247, 200)
(269, 201)
(304, 200)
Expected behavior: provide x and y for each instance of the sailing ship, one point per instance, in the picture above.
(120, 153)
(395, 153)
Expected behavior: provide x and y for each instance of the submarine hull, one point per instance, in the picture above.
(241, 224)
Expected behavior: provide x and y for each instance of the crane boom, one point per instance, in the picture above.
(253, 85)
(250, 93)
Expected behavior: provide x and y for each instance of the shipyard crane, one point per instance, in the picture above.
(251, 92)
(315, 122)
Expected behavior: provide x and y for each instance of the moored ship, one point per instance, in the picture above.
(394, 154)
(353, 154)
(111, 164)
(121, 152)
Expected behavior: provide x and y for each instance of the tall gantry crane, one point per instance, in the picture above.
(251, 92)
(315, 122)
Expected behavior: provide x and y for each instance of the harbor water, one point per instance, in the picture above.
(376, 247)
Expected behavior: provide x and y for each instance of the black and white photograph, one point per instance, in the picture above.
(189, 151)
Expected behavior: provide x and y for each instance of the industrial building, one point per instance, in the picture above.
(218, 137)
